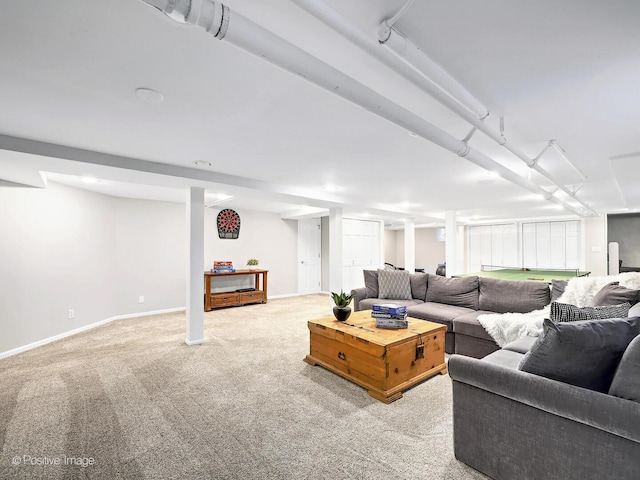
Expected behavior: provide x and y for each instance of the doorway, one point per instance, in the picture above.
(309, 255)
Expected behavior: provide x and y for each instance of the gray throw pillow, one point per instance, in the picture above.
(394, 284)
(557, 288)
(564, 312)
(371, 283)
(626, 382)
(614, 294)
(461, 292)
(419, 285)
(583, 353)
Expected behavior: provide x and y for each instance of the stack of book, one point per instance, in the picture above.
(390, 316)
(223, 267)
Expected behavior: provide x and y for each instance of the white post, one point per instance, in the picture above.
(195, 266)
(409, 244)
(335, 250)
(451, 246)
(614, 258)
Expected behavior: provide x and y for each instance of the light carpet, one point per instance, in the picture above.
(129, 400)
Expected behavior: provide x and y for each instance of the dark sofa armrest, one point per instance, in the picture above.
(605, 412)
(358, 294)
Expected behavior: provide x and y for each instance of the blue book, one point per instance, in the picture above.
(389, 308)
(397, 316)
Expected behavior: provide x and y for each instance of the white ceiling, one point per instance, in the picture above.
(566, 70)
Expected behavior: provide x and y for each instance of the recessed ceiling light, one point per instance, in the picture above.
(149, 95)
(90, 180)
(202, 163)
(413, 134)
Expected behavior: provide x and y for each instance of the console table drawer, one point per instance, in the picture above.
(227, 299)
(255, 296)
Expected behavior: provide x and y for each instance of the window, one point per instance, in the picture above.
(551, 245)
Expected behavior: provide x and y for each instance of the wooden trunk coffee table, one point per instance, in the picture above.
(384, 361)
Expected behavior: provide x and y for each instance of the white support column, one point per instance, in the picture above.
(614, 258)
(451, 247)
(335, 249)
(195, 266)
(410, 245)
(383, 257)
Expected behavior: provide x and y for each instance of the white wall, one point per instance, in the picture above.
(265, 236)
(57, 250)
(151, 253)
(64, 248)
(429, 252)
(391, 245)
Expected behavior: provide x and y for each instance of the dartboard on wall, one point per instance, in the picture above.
(228, 224)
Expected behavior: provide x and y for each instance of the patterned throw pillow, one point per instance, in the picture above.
(394, 284)
(564, 312)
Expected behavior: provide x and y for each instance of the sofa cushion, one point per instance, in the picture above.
(459, 292)
(502, 296)
(505, 358)
(367, 303)
(563, 312)
(371, 283)
(584, 353)
(467, 324)
(557, 288)
(614, 294)
(419, 285)
(394, 284)
(437, 312)
(626, 382)
(521, 345)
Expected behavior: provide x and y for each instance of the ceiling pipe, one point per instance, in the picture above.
(405, 58)
(220, 22)
(408, 52)
(563, 154)
(385, 26)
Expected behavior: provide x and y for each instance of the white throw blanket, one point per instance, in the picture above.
(507, 327)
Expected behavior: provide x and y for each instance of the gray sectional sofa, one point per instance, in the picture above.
(565, 405)
(456, 303)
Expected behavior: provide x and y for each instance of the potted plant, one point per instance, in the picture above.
(252, 263)
(342, 310)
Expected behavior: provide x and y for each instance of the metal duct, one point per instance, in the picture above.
(215, 18)
(405, 58)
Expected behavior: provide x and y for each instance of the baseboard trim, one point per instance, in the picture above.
(60, 336)
(289, 295)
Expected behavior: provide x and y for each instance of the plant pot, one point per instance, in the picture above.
(252, 267)
(341, 313)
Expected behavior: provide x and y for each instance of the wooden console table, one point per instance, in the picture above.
(233, 298)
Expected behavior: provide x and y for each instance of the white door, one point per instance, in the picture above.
(309, 255)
